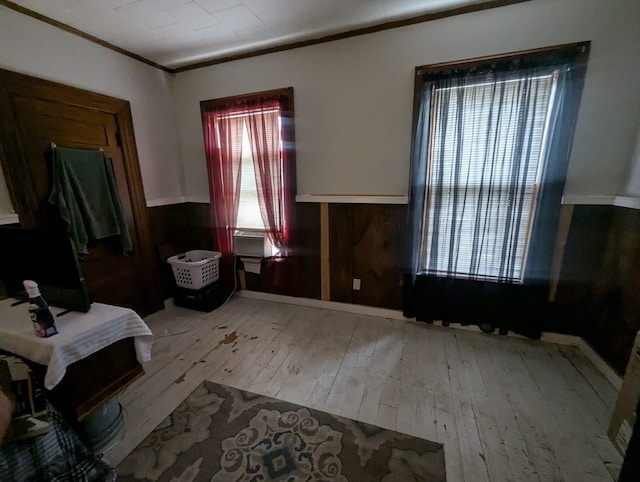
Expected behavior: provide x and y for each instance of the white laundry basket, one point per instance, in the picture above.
(195, 269)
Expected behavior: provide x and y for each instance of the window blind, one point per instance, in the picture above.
(249, 216)
(486, 144)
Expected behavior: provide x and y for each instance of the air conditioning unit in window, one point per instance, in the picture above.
(251, 244)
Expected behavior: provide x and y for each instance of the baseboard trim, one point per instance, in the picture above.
(602, 366)
(327, 305)
(560, 339)
(549, 337)
(9, 219)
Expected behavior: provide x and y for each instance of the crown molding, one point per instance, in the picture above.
(63, 26)
(428, 17)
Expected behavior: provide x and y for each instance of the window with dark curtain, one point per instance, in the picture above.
(491, 145)
(249, 147)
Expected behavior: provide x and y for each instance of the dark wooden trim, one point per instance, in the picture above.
(80, 33)
(124, 122)
(577, 51)
(428, 17)
(325, 261)
(284, 95)
(45, 89)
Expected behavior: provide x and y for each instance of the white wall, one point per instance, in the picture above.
(7, 213)
(353, 98)
(35, 48)
(632, 185)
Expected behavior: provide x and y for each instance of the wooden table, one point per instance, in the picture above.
(94, 356)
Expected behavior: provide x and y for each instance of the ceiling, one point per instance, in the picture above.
(178, 33)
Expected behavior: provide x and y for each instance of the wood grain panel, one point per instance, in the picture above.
(341, 251)
(599, 281)
(79, 125)
(308, 249)
(615, 302)
(181, 227)
(176, 228)
(367, 243)
(298, 274)
(378, 250)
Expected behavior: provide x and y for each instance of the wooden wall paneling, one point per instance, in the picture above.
(581, 262)
(599, 280)
(176, 228)
(367, 243)
(628, 268)
(200, 234)
(615, 303)
(587, 239)
(564, 223)
(325, 261)
(341, 252)
(137, 199)
(300, 273)
(378, 251)
(364, 241)
(165, 223)
(308, 249)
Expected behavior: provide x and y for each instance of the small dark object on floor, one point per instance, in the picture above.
(205, 299)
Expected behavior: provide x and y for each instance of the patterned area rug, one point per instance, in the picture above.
(223, 434)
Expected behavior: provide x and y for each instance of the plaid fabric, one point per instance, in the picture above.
(57, 456)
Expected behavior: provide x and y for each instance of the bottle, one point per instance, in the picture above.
(43, 322)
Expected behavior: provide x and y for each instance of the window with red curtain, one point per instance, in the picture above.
(249, 146)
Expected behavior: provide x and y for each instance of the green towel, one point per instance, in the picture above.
(86, 194)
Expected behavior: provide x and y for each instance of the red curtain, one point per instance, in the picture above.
(223, 148)
(268, 118)
(273, 168)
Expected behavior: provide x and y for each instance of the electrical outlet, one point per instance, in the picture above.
(356, 284)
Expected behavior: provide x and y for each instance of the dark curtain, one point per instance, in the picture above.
(466, 237)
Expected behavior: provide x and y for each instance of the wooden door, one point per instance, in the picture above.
(33, 114)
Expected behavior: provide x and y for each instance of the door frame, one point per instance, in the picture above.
(15, 165)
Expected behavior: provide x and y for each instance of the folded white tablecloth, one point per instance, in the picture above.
(80, 335)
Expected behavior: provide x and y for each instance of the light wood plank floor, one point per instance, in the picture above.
(506, 409)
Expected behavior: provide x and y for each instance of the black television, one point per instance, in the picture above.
(49, 259)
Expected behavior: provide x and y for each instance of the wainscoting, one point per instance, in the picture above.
(600, 278)
(366, 241)
(596, 296)
(177, 228)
